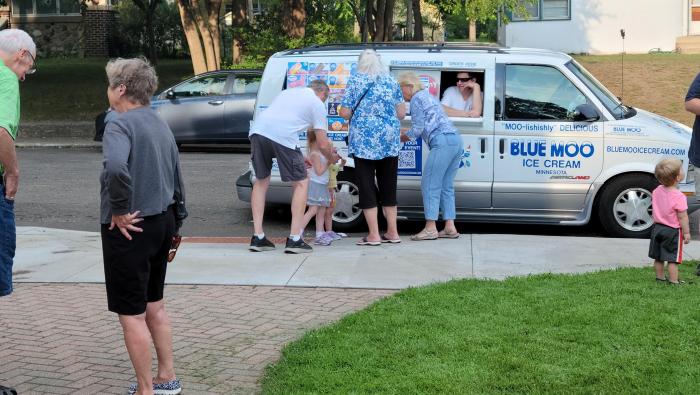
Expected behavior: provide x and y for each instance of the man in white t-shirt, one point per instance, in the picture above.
(463, 100)
(275, 134)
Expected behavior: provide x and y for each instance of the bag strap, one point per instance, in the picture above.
(362, 97)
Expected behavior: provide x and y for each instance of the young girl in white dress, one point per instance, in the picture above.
(318, 199)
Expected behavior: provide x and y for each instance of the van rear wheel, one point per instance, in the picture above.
(624, 208)
(347, 214)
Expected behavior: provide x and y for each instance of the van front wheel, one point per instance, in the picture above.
(624, 208)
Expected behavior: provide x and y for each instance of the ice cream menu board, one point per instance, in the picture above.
(336, 75)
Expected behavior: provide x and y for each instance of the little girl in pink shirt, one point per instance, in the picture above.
(671, 229)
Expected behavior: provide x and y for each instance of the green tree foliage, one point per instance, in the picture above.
(130, 36)
(327, 22)
(480, 10)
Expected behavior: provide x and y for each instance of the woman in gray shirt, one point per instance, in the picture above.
(139, 185)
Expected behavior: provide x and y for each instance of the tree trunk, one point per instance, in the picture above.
(239, 14)
(371, 29)
(201, 19)
(389, 20)
(417, 21)
(213, 11)
(380, 20)
(472, 30)
(408, 34)
(194, 39)
(294, 19)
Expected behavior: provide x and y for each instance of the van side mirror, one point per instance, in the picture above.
(169, 94)
(586, 113)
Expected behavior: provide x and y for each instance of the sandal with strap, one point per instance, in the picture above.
(445, 235)
(425, 235)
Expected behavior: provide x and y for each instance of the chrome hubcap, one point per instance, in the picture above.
(347, 202)
(632, 209)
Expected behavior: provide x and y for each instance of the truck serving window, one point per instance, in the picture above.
(458, 84)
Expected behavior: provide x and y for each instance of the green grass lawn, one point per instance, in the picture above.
(606, 332)
(75, 89)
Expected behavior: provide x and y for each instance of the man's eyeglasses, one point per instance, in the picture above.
(173, 247)
(467, 79)
(32, 69)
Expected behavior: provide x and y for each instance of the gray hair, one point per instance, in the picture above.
(370, 63)
(137, 75)
(14, 40)
(319, 86)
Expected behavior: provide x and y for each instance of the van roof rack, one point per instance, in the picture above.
(429, 46)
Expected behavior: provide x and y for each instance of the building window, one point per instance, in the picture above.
(45, 7)
(544, 10)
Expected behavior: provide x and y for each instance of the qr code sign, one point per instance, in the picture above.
(407, 159)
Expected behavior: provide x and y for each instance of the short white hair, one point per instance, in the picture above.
(370, 63)
(14, 40)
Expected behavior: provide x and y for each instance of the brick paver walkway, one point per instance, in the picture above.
(59, 338)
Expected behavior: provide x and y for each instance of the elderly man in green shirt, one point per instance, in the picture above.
(17, 52)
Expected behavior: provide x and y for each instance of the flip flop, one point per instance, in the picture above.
(365, 242)
(444, 235)
(388, 240)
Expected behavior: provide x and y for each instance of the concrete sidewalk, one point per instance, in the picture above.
(59, 338)
(52, 255)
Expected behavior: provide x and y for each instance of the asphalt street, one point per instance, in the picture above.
(59, 188)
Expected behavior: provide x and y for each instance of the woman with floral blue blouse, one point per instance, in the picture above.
(429, 121)
(374, 105)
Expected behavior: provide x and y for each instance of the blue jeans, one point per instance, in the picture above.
(8, 242)
(439, 173)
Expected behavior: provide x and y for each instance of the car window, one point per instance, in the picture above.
(209, 85)
(246, 84)
(541, 93)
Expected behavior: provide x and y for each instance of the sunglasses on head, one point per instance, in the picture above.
(173, 247)
(466, 79)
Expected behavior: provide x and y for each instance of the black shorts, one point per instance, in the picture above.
(135, 270)
(290, 161)
(384, 191)
(666, 244)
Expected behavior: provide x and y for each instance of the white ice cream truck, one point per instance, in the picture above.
(553, 145)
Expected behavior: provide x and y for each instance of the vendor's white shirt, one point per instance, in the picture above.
(292, 112)
(452, 98)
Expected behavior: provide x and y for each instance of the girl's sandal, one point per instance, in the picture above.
(425, 235)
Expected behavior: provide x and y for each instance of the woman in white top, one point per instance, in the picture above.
(463, 100)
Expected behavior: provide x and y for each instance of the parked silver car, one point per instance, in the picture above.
(214, 107)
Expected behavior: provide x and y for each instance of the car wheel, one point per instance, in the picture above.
(347, 214)
(624, 208)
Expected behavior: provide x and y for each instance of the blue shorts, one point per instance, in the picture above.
(8, 241)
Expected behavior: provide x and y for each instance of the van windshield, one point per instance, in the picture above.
(612, 103)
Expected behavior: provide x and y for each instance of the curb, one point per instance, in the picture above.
(37, 143)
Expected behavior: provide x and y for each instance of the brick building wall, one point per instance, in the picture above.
(99, 29)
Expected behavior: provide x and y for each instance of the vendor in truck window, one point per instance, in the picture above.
(464, 99)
